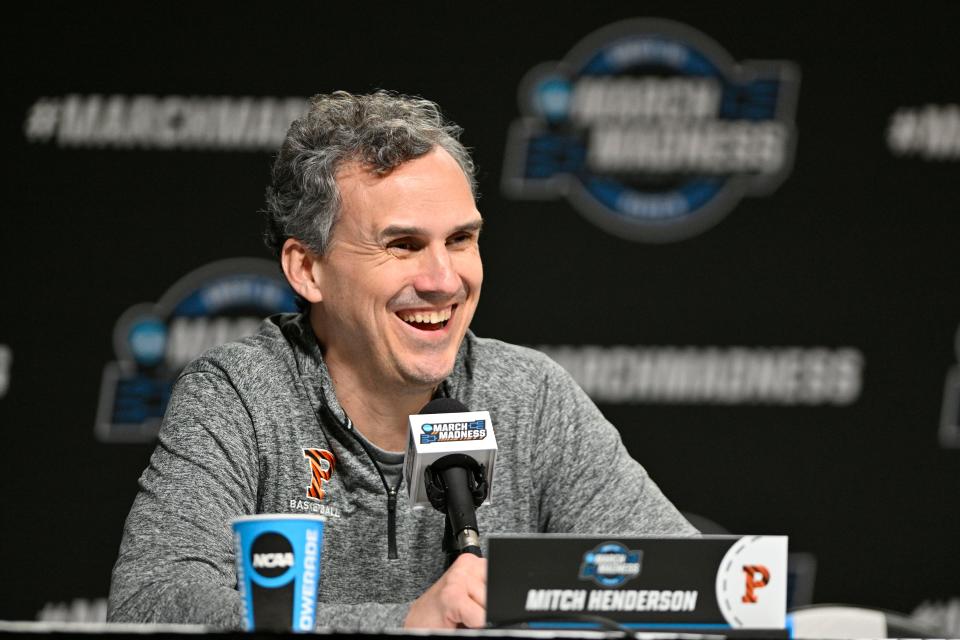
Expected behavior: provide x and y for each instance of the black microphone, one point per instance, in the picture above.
(456, 484)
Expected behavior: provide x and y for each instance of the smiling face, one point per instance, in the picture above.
(401, 277)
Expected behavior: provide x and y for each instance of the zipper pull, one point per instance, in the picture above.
(392, 512)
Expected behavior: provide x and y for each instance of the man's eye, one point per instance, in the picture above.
(402, 245)
(460, 238)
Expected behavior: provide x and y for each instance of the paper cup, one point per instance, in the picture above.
(278, 570)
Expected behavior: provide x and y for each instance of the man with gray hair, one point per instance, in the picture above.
(372, 215)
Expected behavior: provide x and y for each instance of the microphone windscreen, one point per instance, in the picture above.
(444, 405)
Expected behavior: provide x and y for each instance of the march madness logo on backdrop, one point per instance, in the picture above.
(651, 130)
(217, 303)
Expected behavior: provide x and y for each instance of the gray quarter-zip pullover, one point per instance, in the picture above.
(233, 443)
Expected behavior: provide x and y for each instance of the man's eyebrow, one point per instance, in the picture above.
(397, 230)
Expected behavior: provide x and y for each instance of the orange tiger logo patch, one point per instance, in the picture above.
(322, 464)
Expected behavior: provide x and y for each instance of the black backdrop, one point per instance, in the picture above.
(856, 250)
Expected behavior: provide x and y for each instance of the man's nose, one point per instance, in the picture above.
(437, 274)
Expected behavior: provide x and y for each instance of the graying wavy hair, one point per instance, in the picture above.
(380, 131)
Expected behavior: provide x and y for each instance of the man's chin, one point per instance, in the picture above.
(427, 377)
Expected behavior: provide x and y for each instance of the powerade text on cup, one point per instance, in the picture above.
(278, 570)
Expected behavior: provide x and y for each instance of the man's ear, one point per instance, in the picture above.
(301, 266)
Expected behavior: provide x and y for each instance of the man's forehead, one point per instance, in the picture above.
(428, 194)
(354, 173)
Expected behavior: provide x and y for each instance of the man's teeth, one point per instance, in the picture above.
(428, 317)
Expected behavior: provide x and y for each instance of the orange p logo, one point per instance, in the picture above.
(321, 468)
(757, 577)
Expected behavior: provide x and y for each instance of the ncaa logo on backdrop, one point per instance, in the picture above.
(652, 131)
(216, 303)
